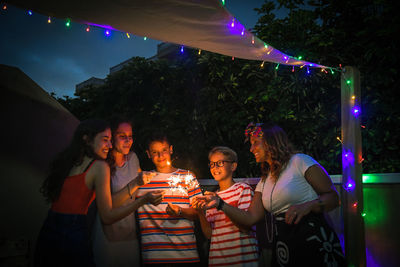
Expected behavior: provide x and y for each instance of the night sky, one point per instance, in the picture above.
(57, 58)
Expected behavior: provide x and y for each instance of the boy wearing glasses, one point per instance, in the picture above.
(230, 244)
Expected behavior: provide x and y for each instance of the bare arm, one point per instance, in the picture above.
(328, 198)
(107, 213)
(205, 225)
(240, 217)
(118, 198)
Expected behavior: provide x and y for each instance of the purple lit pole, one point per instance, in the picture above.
(352, 186)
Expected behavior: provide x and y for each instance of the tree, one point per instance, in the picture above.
(207, 100)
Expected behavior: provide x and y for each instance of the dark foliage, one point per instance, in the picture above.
(204, 101)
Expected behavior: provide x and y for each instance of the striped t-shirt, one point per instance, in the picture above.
(165, 238)
(229, 246)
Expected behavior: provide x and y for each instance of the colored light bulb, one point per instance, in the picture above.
(356, 111)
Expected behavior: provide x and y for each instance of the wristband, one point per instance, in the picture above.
(220, 204)
(129, 191)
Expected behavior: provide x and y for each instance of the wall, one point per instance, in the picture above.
(34, 128)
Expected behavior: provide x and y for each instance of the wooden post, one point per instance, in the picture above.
(352, 186)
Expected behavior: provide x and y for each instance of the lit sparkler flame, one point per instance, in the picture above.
(182, 184)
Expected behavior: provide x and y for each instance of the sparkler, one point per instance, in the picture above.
(182, 184)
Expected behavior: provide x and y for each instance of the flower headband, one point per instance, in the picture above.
(253, 130)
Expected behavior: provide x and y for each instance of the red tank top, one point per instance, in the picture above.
(75, 197)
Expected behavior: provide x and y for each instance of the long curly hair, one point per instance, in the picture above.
(73, 155)
(278, 149)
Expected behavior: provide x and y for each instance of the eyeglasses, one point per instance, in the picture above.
(219, 163)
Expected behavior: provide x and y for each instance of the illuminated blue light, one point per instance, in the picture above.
(356, 111)
(30, 12)
(234, 27)
(350, 185)
(107, 33)
(347, 159)
(182, 49)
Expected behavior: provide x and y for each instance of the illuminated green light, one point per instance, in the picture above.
(223, 2)
(145, 38)
(68, 23)
(300, 57)
(265, 45)
(277, 66)
(348, 82)
(377, 205)
(370, 179)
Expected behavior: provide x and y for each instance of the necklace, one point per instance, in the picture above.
(270, 229)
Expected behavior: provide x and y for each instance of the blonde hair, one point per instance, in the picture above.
(226, 151)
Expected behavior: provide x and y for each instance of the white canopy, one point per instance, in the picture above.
(200, 24)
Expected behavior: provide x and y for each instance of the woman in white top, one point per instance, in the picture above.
(297, 191)
(117, 244)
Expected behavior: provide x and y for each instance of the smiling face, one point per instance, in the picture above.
(258, 148)
(122, 139)
(226, 171)
(102, 143)
(160, 153)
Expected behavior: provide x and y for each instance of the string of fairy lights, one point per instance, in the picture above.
(237, 28)
(347, 156)
(233, 26)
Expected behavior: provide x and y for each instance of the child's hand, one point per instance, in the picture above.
(145, 177)
(208, 201)
(154, 197)
(173, 210)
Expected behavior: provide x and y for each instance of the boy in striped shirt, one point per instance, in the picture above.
(167, 230)
(231, 245)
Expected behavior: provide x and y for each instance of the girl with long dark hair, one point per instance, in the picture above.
(77, 176)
